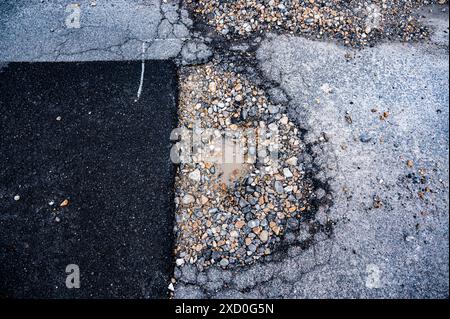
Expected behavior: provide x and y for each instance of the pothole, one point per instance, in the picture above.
(240, 184)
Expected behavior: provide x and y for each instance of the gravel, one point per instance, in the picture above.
(356, 23)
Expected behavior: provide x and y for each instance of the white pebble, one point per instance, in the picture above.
(180, 262)
(287, 173)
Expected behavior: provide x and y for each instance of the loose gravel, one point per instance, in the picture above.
(232, 212)
(356, 22)
(230, 215)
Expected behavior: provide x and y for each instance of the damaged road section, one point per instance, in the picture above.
(374, 136)
(242, 186)
(86, 179)
(354, 23)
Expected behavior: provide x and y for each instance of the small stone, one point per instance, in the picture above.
(292, 161)
(212, 87)
(264, 236)
(365, 138)
(243, 202)
(179, 262)
(279, 187)
(249, 190)
(188, 199)
(224, 262)
(234, 234)
(195, 175)
(253, 223)
(239, 224)
(287, 173)
(273, 127)
(171, 287)
(348, 118)
(204, 199)
(213, 210)
(273, 109)
(276, 229)
(292, 223)
(284, 120)
(16, 198)
(377, 203)
(64, 203)
(288, 189)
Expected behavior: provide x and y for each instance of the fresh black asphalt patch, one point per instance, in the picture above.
(74, 134)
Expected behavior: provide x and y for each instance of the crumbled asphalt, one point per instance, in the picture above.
(356, 23)
(86, 179)
(107, 30)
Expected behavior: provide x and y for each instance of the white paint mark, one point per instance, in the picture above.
(373, 280)
(142, 73)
